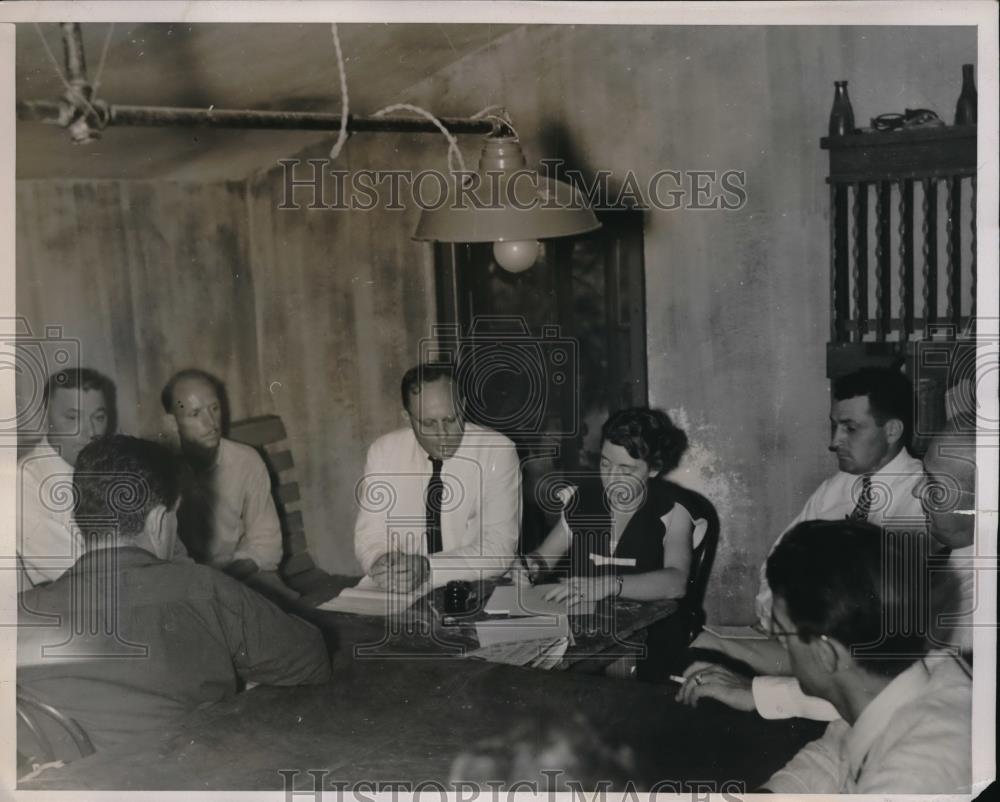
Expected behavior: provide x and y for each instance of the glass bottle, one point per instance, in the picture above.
(841, 115)
(965, 109)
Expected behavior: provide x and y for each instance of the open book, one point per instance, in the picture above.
(367, 598)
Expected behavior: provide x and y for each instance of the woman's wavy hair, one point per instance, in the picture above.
(647, 434)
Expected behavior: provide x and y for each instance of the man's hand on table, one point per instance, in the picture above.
(707, 680)
(400, 572)
(578, 590)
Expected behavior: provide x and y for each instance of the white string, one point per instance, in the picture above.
(344, 99)
(104, 55)
(453, 150)
(73, 92)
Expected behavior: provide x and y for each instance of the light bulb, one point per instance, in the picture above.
(516, 256)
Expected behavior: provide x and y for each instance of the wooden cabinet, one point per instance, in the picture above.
(903, 259)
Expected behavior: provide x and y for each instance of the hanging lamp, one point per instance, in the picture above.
(508, 205)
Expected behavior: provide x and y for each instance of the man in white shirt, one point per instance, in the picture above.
(227, 518)
(440, 499)
(849, 606)
(871, 420)
(79, 407)
(948, 496)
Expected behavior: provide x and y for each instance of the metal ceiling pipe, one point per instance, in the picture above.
(175, 117)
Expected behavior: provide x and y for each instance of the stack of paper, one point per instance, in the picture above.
(530, 600)
(528, 628)
(544, 654)
(367, 598)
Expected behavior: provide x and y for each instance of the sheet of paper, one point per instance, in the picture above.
(529, 628)
(739, 632)
(530, 600)
(367, 598)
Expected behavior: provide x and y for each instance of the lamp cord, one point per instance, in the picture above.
(344, 98)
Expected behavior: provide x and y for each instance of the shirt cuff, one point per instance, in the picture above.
(781, 697)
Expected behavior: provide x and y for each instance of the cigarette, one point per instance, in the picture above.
(675, 678)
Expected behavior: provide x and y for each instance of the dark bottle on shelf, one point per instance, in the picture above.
(965, 109)
(841, 115)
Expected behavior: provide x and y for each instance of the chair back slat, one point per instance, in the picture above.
(258, 432)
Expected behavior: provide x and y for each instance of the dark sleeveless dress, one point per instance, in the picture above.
(638, 551)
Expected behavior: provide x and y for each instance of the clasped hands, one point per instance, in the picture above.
(399, 571)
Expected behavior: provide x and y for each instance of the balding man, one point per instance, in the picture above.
(228, 519)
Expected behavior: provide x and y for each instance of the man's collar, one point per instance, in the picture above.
(43, 448)
(900, 465)
(115, 558)
(876, 716)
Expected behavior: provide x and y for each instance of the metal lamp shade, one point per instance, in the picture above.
(510, 203)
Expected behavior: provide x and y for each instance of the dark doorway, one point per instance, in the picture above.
(546, 354)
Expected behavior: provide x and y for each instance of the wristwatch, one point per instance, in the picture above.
(621, 585)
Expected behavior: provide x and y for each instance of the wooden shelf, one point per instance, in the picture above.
(944, 152)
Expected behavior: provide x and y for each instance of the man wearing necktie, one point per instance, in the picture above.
(871, 420)
(440, 498)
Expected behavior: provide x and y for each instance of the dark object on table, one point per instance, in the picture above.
(910, 118)
(965, 109)
(841, 115)
(457, 595)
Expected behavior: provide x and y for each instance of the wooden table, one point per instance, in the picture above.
(406, 720)
(614, 630)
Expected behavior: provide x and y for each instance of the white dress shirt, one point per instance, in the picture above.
(480, 507)
(835, 499)
(48, 541)
(244, 519)
(915, 737)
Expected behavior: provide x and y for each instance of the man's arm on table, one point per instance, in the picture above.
(261, 541)
(269, 646)
(775, 694)
(491, 550)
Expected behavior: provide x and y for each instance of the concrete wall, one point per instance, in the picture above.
(737, 302)
(142, 279)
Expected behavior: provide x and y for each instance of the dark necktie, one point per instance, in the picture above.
(864, 503)
(432, 501)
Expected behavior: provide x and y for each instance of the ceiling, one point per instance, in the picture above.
(249, 66)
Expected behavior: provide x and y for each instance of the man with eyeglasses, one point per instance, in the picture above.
(453, 490)
(849, 607)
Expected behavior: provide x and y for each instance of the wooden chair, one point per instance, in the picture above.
(701, 560)
(267, 434)
(46, 735)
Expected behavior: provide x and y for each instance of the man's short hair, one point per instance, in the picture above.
(426, 373)
(119, 480)
(85, 379)
(889, 391)
(167, 394)
(854, 582)
(647, 434)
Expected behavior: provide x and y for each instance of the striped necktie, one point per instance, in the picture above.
(864, 503)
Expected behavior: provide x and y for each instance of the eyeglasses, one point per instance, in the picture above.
(778, 632)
